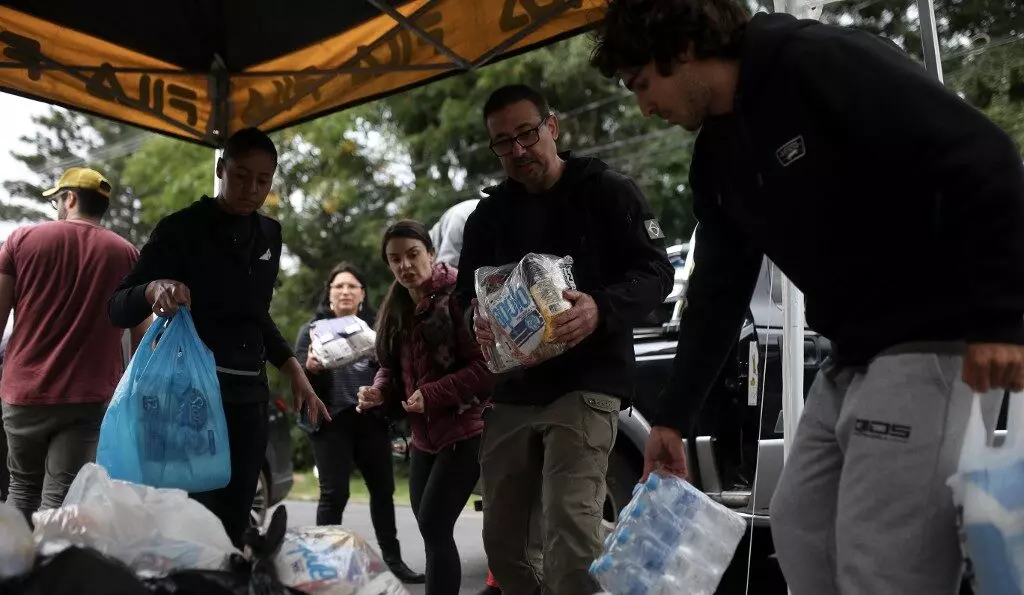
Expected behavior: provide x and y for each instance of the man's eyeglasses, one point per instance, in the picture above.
(525, 139)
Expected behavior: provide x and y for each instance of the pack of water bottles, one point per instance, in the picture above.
(671, 538)
(520, 301)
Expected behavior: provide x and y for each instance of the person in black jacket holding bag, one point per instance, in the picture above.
(350, 437)
(220, 257)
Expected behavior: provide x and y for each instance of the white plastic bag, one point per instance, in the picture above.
(988, 489)
(520, 301)
(149, 529)
(332, 561)
(338, 342)
(17, 551)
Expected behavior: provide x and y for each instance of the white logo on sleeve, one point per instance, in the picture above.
(654, 229)
(266, 255)
(792, 151)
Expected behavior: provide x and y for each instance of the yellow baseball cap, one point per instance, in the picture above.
(81, 177)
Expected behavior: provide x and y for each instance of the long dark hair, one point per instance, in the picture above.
(395, 317)
(366, 311)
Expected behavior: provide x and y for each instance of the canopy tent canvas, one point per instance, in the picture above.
(199, 70)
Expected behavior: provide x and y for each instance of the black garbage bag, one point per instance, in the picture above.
(76, 571)
(83, 571)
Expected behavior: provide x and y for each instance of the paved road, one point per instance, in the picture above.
(467, 535)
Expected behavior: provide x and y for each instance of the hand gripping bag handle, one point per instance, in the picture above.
(977, 451)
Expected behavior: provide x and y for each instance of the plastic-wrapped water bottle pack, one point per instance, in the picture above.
(671, 538)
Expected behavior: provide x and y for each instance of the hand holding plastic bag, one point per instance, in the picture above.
(520, 302)
(148, 529)
(165, 425)
(988, 490)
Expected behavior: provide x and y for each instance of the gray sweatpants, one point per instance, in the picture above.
(862, 506)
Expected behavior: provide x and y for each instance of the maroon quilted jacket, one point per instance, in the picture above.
(442, 360)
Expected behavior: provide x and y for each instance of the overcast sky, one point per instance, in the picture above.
(17, 122)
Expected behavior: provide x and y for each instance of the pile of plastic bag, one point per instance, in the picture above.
(671, 538)
(339, 342)
(115, 537)
(165, 425)
(332, 561)
(148, 529)
(520, 302)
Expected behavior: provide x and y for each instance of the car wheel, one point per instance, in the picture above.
(260, 501)
(620, 479)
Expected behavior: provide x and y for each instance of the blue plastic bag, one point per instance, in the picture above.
(988, 490)
(165, 426)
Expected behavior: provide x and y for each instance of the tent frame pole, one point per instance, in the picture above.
(553, 11)
(404, 21)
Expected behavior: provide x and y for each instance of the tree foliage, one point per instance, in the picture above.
(67, 139)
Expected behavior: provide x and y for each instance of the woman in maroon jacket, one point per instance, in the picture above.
(432, 366)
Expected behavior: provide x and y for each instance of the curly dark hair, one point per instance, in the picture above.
(635, 33)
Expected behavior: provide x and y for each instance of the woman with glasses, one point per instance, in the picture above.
(350, 439)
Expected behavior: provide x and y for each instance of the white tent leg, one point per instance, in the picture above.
(216, 181)
(930, 37)
(792, 362)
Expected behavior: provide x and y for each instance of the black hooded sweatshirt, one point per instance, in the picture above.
(896, 207)
(230, 265)
(601, 219)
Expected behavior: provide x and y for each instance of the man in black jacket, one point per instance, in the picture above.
(220, 257)
(837, 156)
(553, 425)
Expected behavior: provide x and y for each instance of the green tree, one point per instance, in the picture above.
(441, 129)
(981, 43)
(68, 139)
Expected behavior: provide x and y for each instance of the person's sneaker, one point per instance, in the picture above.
(406, 574)
(489, 590)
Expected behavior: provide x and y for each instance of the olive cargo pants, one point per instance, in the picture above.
(543, 473)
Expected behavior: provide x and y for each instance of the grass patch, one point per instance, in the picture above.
(307, 488)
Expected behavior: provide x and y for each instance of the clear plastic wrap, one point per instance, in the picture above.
(332, 561)
(339, 342)
(671, 538)
(17, 550)
(149, 529)
(520, 302)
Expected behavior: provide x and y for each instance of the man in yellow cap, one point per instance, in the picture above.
(64, 357)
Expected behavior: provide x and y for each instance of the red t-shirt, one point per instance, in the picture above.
(63, 348)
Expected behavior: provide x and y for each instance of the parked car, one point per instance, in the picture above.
(276, 480)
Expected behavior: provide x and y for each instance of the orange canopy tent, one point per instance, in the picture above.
(199, 70)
